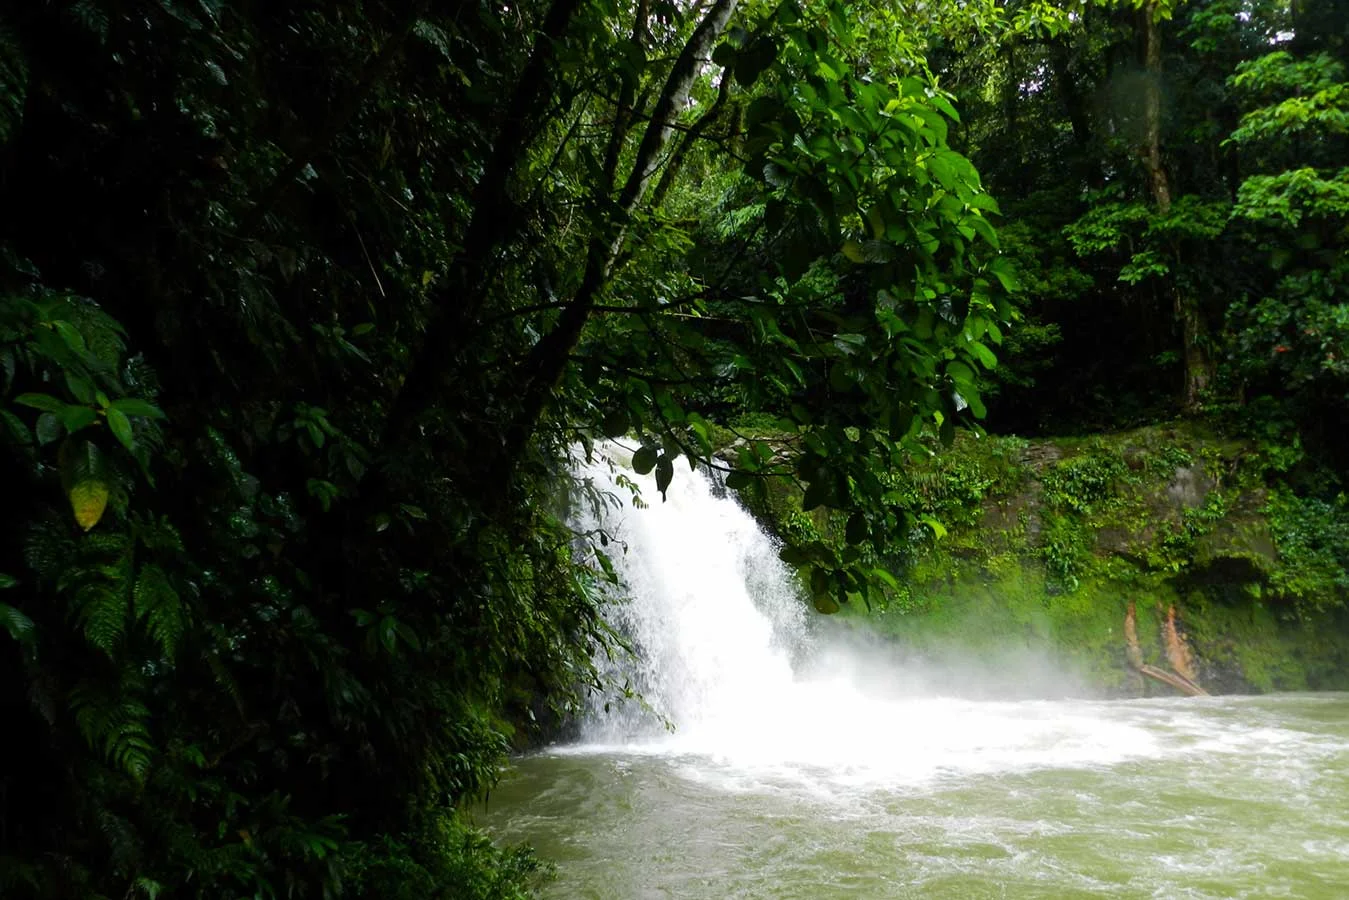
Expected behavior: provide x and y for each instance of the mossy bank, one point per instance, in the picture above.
(1042, 545)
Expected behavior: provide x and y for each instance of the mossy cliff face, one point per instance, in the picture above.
(1047, 542)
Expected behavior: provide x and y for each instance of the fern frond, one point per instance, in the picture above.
(19, 876)
(48, 549)
(225, 680)
(121, 839)
(146, 887)
(19, 626)
(93, 19)
(158, 533)
(107, 543)
(13, 85)
(114, 725)
(158, 605)
(102, 612)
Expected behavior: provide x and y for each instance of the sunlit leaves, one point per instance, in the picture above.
(88, 500)
(1287, 198)
(84, 472)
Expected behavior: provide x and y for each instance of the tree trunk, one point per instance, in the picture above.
(1194, 337)
(1158, 184)
(1194, 330)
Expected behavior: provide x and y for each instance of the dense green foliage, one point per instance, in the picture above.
(1210, 276)
(302, 312)
(1045, 542)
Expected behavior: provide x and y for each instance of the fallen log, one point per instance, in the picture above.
(1179, 682)
(1134, 653)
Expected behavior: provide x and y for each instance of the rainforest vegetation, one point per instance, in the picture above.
(303, 308)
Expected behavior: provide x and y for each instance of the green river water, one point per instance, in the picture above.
(1209, 798)
(808, 764)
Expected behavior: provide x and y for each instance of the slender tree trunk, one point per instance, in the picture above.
(1158, 184)
(1194, 337)
(1194, 330)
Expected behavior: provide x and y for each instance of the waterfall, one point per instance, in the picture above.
(713, 614)
(724, 649)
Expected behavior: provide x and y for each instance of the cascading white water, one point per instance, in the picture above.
(712, 615)
(717, 621)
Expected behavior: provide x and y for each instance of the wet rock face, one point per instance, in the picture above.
(1039, 455)
(1189, 487)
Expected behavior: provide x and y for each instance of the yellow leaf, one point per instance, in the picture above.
(854, 251)
(88, 499)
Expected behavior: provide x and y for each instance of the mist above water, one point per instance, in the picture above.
(726, 651)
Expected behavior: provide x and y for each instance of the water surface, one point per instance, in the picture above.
(1208, 798)
(806, 766)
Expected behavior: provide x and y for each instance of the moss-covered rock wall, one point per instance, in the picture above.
(1043, 544)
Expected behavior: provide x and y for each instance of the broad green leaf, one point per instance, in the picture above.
(133, 406)
(82, 390)
(644, 460)
(751, 61)
(938, 529)
(985, 356)
(664, 474)
(45, 402)
(409, 636)
(737, 481)
(120, 426)
(76, 417)
(71, 336)
(885, 576)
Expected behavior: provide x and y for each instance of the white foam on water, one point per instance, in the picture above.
(717, 620)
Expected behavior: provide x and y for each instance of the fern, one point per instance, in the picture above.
(13, 85)
(49, 549)
(222, 676)
(19, 626)
(157, 534)
(103, 615)
(158, 605)
(94, 20)
(115, 724)
(121, 839)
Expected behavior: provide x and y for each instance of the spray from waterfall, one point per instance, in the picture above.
(725, 649)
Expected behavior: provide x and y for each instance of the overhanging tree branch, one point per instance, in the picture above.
(547, 361)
